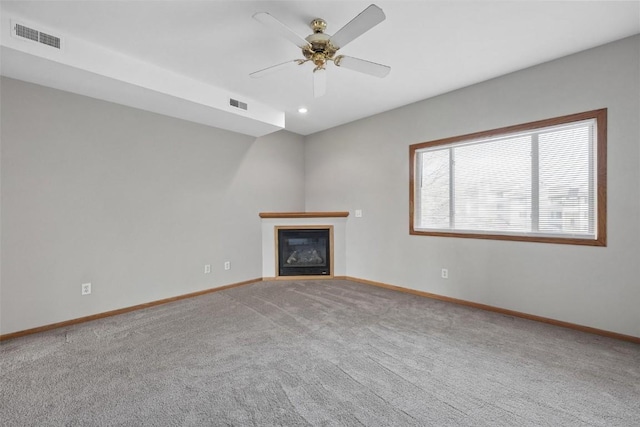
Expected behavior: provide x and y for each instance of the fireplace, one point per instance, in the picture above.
(304, 251)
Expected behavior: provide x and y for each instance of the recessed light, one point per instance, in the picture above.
(302, 110)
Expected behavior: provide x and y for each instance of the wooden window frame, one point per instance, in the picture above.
(600, 117)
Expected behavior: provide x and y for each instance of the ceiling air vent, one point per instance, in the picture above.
(27, 33)
(238, 104)
(50, 40)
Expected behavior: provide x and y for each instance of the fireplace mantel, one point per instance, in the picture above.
(304, 214)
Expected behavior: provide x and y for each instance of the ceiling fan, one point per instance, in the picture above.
(320, 48)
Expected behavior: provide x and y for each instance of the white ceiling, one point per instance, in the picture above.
(432, 47)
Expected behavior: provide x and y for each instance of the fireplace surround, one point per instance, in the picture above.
(334, 221)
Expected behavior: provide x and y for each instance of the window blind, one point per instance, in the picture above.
(536, 182)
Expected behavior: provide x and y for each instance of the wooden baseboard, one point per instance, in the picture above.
(122, 310)
(513, 313)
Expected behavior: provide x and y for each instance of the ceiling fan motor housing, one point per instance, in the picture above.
(320, 49)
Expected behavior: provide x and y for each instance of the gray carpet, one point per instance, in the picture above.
(319, 353)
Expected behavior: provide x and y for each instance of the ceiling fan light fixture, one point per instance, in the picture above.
(303, 110)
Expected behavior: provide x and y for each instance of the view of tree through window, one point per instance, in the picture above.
(537, 181)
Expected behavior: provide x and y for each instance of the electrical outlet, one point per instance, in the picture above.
(207, 269)
(227, 265)
(358, 213)
(86, 288)
(445, 273)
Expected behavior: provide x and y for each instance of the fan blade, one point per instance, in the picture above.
(281, 29)
(319, 82)
(366, 20)
(272, 69)
(367, 67)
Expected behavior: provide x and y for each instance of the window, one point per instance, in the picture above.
(543, 181)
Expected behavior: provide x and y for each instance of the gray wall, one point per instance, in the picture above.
(365, 165)
(133, 202)
(137, 203)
